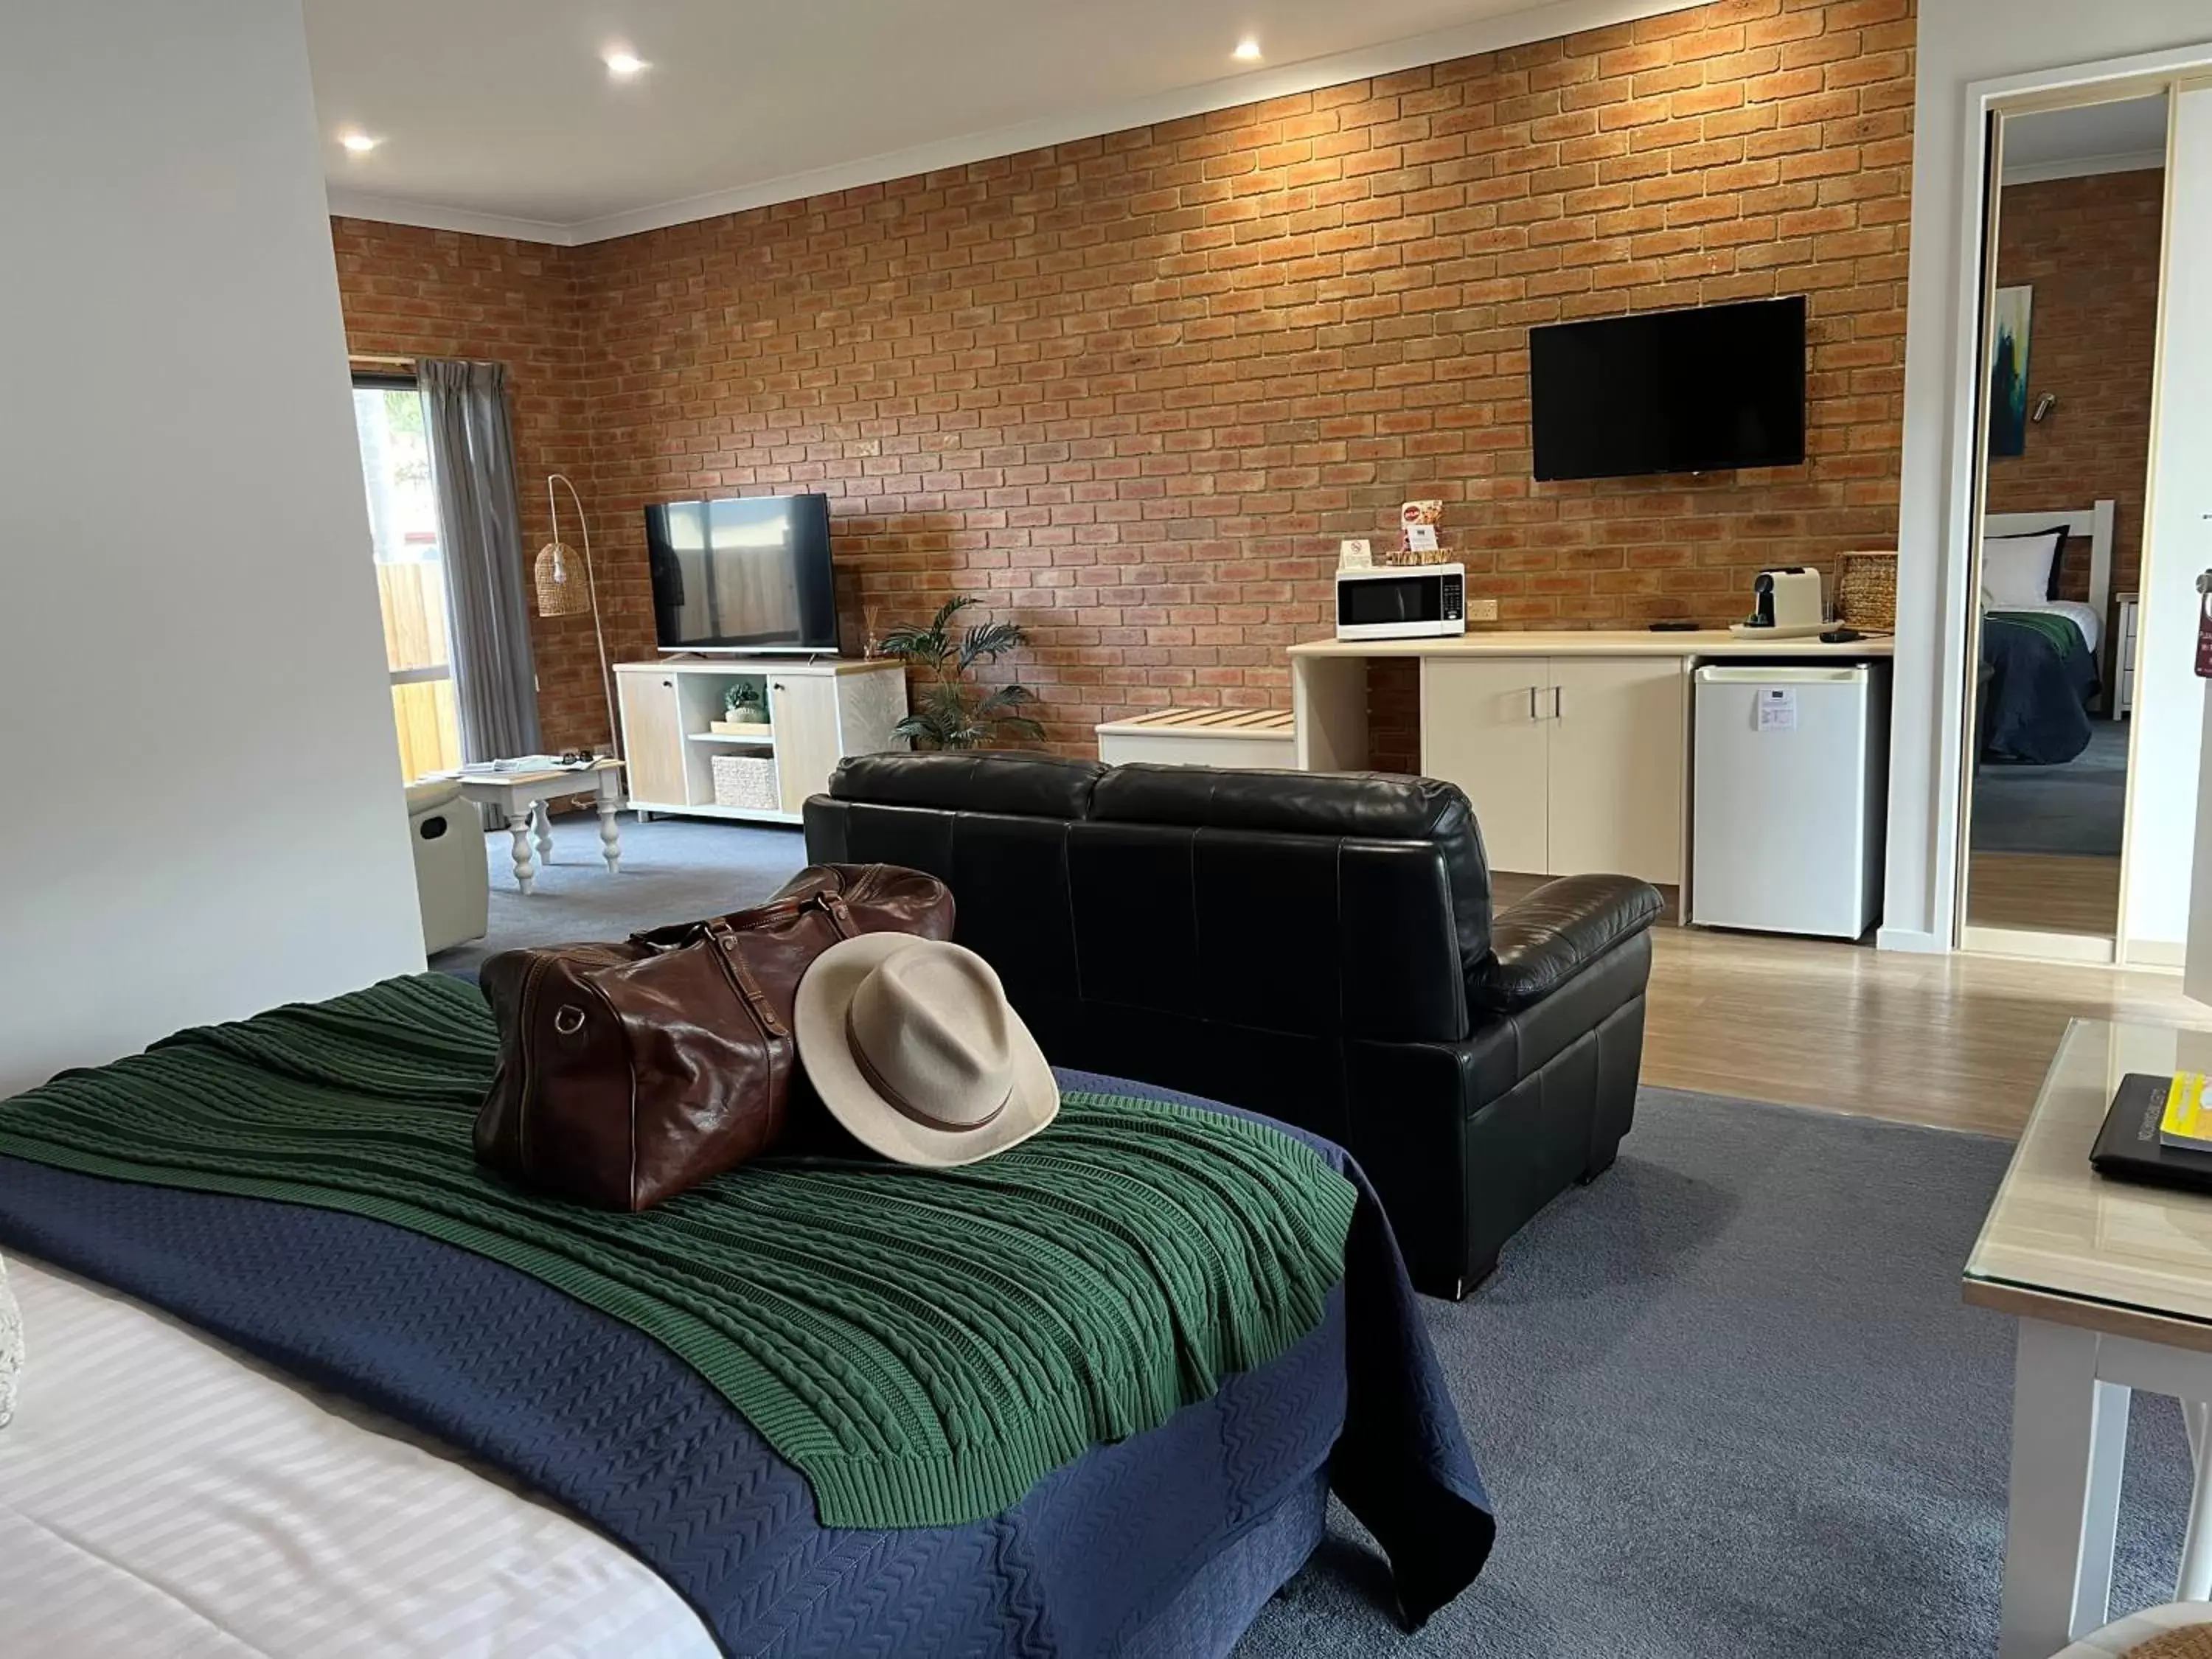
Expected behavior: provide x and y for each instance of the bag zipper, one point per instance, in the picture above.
(526, 1006)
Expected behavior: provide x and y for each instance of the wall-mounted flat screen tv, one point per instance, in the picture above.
(749, 573)
(1696, 391)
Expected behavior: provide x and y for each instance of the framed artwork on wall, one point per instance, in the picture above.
(2009, 315)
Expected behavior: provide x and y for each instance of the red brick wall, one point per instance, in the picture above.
(2090, 249)
(1132, 390)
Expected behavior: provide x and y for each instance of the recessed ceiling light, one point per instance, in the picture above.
(624, 63)
(359, 142)
(1248, 51)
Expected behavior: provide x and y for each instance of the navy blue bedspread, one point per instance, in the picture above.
(606, 1421)
(2035, 704)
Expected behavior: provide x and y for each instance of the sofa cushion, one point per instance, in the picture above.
(1372, 806)
(998, 781)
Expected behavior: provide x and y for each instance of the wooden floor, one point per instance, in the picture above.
(1958, 1042)
(2044, 892)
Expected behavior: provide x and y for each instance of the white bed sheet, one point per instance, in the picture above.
(2084, 617)
(161, 1494)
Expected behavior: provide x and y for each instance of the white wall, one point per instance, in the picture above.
(2169, 719)
(1960, 42)
(203, 812)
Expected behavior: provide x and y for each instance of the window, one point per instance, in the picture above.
(411, 572)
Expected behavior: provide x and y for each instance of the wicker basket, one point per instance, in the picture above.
(746, 780)
(1866, 590)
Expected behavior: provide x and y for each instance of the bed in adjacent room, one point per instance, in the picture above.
(280, 1405)
(2041, 677)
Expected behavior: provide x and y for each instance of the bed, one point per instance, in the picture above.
(2040, 675)
(253, 1427)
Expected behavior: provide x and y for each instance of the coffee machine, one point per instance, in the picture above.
(1786, 603)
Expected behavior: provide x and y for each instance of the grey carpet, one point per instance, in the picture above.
(2075, 808)
(672, 870)
(1729, 1403)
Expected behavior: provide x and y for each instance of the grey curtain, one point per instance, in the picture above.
(473, 467)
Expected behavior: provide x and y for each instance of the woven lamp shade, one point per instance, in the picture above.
(559, 592)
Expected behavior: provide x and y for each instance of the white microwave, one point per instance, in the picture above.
(1401, 602)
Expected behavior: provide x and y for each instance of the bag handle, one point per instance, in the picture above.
(676, 935)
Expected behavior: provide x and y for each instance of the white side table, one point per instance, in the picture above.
(521, 796)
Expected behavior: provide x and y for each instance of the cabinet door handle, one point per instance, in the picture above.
(1531, 704)
(1557, 707)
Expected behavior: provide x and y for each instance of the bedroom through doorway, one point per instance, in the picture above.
(2071, 352)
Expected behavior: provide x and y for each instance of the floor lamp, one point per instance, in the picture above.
(560, 594)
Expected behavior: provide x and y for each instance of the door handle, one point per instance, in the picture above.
(1531, 704)
(1557, 707)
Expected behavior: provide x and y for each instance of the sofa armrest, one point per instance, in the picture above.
(1554, 934)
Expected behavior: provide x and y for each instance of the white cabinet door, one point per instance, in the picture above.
(653, 737)
(1618, 754)
(803, 709)
(1485, 722)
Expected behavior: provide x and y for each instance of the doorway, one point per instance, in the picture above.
(2071, 317)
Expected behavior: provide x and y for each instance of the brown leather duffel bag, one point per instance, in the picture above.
(630, 1072)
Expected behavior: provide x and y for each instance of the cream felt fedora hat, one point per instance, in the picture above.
(913, 1047)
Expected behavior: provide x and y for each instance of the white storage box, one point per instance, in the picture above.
(1247, 739)
(451, 878)
(746, 780)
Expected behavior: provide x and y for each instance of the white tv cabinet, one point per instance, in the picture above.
(820, 710)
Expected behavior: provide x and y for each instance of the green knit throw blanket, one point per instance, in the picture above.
(922, 1345)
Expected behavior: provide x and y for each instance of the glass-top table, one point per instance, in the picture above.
(2057, 1229)
(2112, 1283)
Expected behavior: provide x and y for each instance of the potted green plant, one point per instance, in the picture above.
(742, 703)
(948, 715)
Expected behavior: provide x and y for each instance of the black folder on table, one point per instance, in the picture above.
(2128, 1147)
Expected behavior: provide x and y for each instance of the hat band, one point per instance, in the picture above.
(898, 1102)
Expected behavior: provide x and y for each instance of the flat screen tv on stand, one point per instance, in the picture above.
(747, 574)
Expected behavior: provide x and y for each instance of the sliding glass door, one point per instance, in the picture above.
(411, 572)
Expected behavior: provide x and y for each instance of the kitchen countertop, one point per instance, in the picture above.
(1580, 642)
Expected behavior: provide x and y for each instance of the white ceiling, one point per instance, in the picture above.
(2067, 143)
(500, 115)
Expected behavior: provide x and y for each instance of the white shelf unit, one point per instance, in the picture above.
(820, 710)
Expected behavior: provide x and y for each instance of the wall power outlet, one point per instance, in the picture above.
(1482, 611)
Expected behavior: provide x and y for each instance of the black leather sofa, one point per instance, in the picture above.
(1317, 946)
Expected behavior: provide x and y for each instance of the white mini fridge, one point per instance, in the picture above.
(1790, 779)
